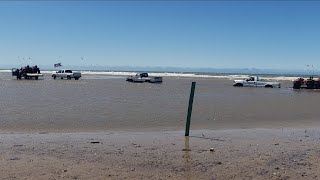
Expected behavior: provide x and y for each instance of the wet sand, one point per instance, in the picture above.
(102, 127)
(101, 103)
(237, 154)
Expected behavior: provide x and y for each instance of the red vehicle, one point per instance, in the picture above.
(310, 83)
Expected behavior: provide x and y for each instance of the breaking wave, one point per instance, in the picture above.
(182, 75)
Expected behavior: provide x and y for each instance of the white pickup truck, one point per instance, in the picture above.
(68, 74)
(144, 77)
(255, 81)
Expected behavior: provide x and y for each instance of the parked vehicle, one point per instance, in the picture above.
(144, 77)
(68, 74)
(27, 72)
(255, 81)
(310, 83)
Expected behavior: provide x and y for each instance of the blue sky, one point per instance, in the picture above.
(209, 34)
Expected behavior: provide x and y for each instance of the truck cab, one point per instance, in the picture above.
(142, 75)
(253, 78)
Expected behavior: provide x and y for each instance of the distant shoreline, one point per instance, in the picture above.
(277, 77)
(184, 70)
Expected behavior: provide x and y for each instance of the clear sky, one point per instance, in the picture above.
(209, 34)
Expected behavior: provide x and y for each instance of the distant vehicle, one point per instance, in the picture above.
(310, 83)
(255, 81)
(68, 74)
(144, 77)
(26, 72)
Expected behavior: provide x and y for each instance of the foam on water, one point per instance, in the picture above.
(173, 74)
(188, 75)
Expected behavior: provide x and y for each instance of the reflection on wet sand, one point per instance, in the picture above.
(96, 104)
(187, 158)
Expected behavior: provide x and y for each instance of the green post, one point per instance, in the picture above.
(193, 86)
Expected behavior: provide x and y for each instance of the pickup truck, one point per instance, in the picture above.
(255, 81)
(66, 74)
(144, 77)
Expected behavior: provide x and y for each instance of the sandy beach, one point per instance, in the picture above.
(102, 127)
(104, 103)
(102, 90)
(206, 154)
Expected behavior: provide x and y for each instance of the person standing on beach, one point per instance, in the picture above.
(18, 73)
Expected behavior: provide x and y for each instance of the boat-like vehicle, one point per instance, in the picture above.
(310, 83)
(255, 81)
(144, 77)
(27, 72)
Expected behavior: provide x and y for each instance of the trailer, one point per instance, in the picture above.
(27, 72)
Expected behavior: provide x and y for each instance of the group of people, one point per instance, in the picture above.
(27, 69)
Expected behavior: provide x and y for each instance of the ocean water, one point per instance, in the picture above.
(105, 101)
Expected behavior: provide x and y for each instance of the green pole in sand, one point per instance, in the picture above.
(193, 86)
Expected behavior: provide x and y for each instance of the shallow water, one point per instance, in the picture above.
(101, 102)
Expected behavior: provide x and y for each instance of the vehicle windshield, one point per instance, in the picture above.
(250, 79)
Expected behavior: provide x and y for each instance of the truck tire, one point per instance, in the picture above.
(68, 77)
(268, 86)
(54, 76)
(76, 78)
(239, 85)
(296, 85)
(310, 84)
(36, 77)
